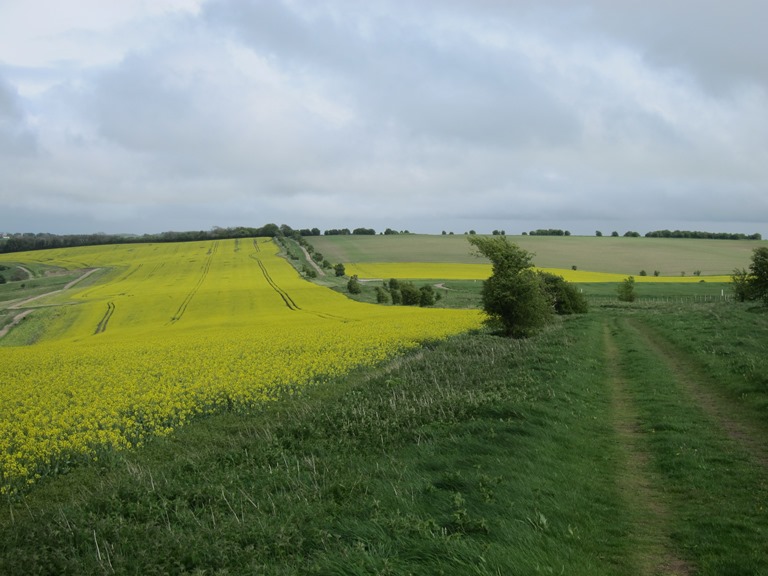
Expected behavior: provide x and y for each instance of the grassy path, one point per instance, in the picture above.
(653, 552)
(695, 478)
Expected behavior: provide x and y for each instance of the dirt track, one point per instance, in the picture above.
(23, 304)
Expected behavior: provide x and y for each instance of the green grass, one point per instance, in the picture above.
(44, 280)
(710, 476)
(478, 455)
(670, 256)
(452, 460)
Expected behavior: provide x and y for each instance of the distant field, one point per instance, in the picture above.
(668, 256)
(447, 271)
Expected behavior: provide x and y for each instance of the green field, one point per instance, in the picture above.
(670, 257)
(631, 440)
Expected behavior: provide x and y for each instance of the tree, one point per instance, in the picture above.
(426, 295)
(759, 273)
(353, 286)
(410, 294)
(339, 269)
(753, 284)
(382, 296)
(740, 284)
(514, 297)
(626, 289)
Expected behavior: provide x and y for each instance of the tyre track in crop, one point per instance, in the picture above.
(102, 326)
(693, 381)
(282, 293)
(652, 549)
(206, 269)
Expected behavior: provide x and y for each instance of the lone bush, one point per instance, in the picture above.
(514, 297)
(626, 289)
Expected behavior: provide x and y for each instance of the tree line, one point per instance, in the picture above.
(701, 235)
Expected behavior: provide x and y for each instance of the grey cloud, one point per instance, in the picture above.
(16, 137)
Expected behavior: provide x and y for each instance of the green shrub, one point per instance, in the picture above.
(626, 289)
(353, 286)
(564, 296)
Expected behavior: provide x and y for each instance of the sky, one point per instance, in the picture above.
(143, 116)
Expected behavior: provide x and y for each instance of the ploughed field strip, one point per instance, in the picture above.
(695, 478)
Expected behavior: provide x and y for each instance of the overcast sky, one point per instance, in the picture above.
(151, 115)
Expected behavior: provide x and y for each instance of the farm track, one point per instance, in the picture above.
(23, 304)
(645, 486)
(653, 550)
(717, 406)
(192, 293)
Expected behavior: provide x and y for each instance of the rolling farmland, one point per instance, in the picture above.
(173, 331)
(622, 256)
(628, 440)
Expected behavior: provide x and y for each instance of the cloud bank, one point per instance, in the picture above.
(428, 116)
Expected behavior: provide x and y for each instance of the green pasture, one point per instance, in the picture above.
(668, 256)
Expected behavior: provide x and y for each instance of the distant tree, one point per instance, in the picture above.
(514, 297)
(396, 295)
(626, 289)
(410, 294)
(614, 234)
(353, 286)
(393, 284)
(472, 232)
(382, 296)
(598, 233)
(643, 273)
(2, 279)
(339, 269)
(426, 295)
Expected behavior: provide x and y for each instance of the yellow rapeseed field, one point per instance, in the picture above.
(450, 271)
(176, 330)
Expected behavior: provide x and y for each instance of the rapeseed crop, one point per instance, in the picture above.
(460, 271)
(178, 330)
